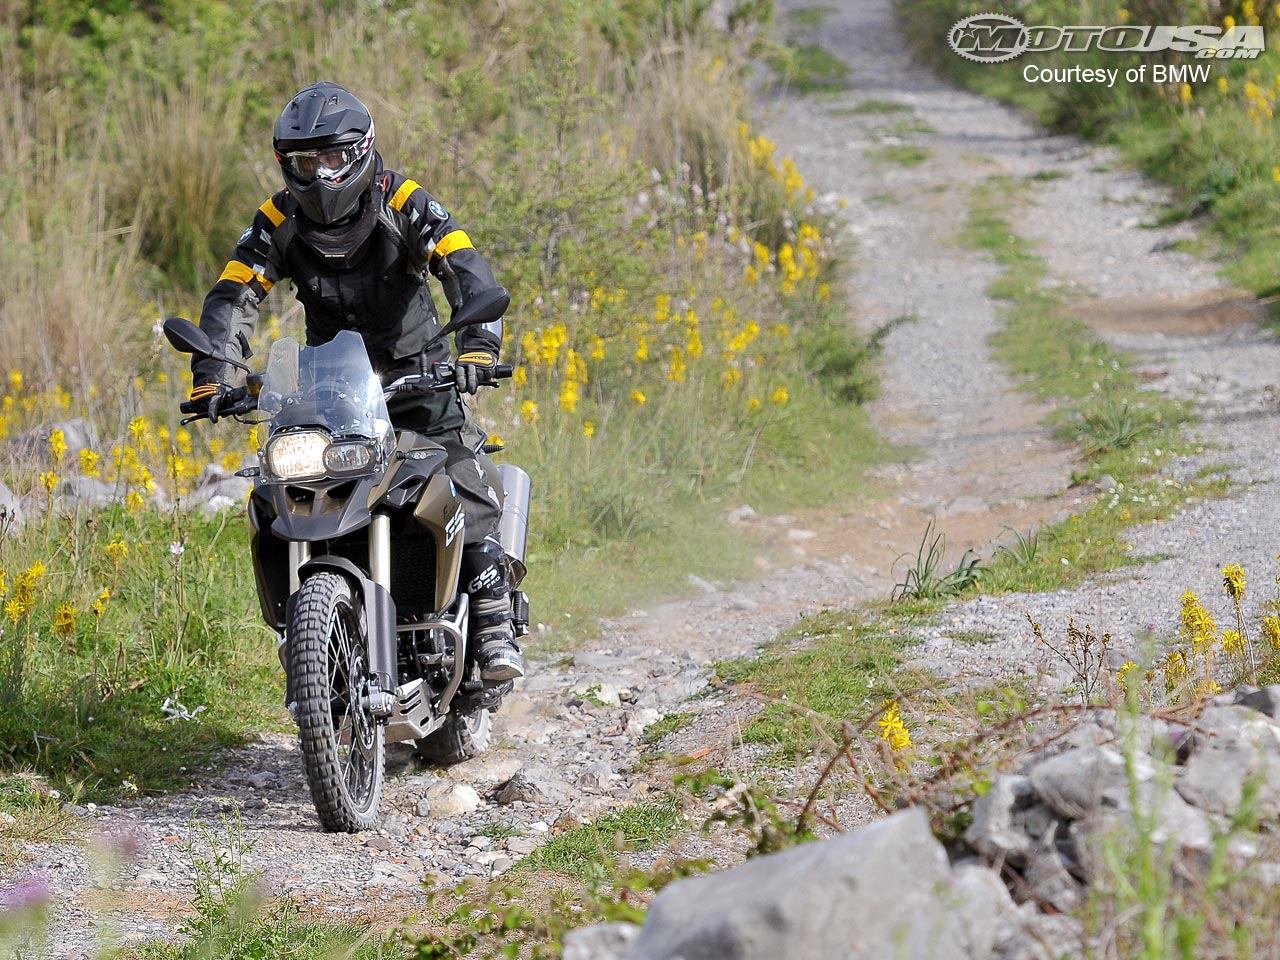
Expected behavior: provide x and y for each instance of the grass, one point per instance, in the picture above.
(871, 106)
(667, 725)
(832, 667)
(903, 155)
(585, 852)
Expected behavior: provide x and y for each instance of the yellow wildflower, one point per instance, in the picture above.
(520, 377)
(64, 619)
(597, 348)
(1198, 624)
(15, 381)
(57, 445)
(676, 372)
(893, 729)
(569, 396)
(754, 404)
(49, 480)
(99, 606)
(4, 586)
(588, 429)
(1270, 628)
(529, 411)
(89, 463)
(134, 501)
(117, 549)
(1233, 581)
(638, 398)
(1232, 641)
(780, 396)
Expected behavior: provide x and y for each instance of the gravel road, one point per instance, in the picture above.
(981, 459)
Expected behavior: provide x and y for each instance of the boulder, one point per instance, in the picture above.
(993, 832)
(10, 508)
(885, 890)
(1073, 783)
(606, 941)
(1232, 745)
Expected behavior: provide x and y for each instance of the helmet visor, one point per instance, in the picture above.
(329, 163)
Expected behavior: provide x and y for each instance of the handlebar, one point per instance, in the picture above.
(236, 403)
(441, 379)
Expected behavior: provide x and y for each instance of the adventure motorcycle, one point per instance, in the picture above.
(357, 536)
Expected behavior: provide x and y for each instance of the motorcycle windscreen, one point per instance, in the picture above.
(331, 386)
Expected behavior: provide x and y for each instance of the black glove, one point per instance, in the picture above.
(474, 368)
(207, 399)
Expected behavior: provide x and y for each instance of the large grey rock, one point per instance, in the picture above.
(878, 893)
(520, 787)
(1073, 783)
(1163, 816)
(606, 941)
(1266, 701)
(993, 832)
(1047, 877)
(1232, 746)
(91, 491)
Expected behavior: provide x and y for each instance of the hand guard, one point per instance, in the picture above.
(208, 398)
(473, 369)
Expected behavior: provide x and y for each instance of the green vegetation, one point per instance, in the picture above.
(669, 724)
(589, 851)
(902, 154)
(1214, 141)
(829, 668)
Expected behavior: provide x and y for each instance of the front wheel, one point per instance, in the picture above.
(342, 741)
(461, 737)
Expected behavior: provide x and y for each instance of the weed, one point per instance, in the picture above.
(587, 851)
(667, 725)
(901, 154)
(872, 106)
(1108, 425)
(924, 579)
(808, 68)
(1025, 548)
(1084, 652)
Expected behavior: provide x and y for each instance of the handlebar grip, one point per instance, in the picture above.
(187, 406)
(503, 371)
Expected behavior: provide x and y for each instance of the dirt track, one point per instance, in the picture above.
(982, 461)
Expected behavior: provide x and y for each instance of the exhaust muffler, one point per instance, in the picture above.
(513, 528)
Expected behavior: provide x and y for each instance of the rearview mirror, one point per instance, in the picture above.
(490, 305)
(185, 337)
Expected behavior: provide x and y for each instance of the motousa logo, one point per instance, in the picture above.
(994, 38)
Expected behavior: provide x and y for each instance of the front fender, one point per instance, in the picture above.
(380, 615)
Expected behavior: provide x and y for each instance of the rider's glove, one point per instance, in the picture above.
(208, 398)
(472, 369)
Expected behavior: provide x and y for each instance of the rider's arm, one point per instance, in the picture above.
(231, 307)
(452, 259)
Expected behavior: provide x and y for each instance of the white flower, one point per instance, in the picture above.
(55, 794)
(177, 549)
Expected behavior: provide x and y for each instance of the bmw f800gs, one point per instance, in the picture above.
(357, 537)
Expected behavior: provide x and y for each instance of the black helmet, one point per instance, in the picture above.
(324, 142)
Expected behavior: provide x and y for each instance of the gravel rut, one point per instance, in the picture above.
(980, 459)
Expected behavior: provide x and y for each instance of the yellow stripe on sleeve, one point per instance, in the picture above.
(451, 242)
(237, 271)
(273, 212)
(406, 189)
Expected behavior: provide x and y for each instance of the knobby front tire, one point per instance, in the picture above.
(342, 742)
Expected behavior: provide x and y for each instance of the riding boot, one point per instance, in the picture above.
(497, 652)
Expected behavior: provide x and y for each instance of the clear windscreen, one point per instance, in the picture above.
(331, 386)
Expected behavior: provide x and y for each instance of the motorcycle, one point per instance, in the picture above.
(357, 536)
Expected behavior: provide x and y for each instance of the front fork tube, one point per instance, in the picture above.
(380, 550)
(299, 553)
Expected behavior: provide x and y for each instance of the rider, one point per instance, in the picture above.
(357, 241)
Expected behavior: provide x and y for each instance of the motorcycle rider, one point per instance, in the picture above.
(358, 240)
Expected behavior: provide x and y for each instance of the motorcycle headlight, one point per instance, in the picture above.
(297, 456)
(348, 457)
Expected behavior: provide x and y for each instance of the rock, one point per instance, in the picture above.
(1230, 746)
(705, 586)
(1107, 483)
(992, 832)
(91, 491)
(521, 846)
(742, 514)
(422, 808)
(260, 781)
(1047, 877)
(1072, 783)
(966, 505)
(640, 720)
(217, 503)
(520, 787)
(380, 843)
(10, 508)
(451, 799)
(885, 890)
(1266, 701)
(597, 776)
(596, 692)
(800, 536)
(738, 602)
(605, 941)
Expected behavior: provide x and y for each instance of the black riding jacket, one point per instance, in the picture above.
(377, 287)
